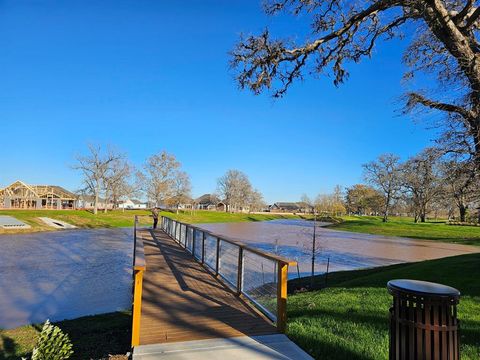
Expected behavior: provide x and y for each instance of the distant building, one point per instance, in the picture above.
(206, 202)
(131, 204)
(291, 207)
(87, 202)
(19, 195)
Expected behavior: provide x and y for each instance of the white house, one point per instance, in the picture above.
(131, 204)
(87, 202)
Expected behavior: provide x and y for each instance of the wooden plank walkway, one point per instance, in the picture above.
(182, 301)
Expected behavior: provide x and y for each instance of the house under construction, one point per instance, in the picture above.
(22, 196)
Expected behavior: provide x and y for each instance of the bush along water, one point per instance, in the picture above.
(52, 344)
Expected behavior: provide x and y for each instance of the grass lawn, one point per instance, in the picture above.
(119, 218)
(405, 227)
(349, 319)
(93, 337)
(203, 216)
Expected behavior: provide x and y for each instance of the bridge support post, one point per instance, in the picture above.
(282, 297)
(137, 307)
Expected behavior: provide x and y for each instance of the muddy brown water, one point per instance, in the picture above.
(72, 273)
(345, 250)
(64, 275)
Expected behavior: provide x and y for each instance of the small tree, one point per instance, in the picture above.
(362, 199)
(255, 201)
(94, 167)
(181, 189)
(422, 181)
(235, 189)
(117, 181)
(159, 176)
(460, 184)
(384, 174)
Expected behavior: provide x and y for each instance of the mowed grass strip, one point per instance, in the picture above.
(406, 227)
(93, 337)
(349, 319)
(118, 218)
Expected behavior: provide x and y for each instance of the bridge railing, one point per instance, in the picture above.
(258, 275)
(139, 267)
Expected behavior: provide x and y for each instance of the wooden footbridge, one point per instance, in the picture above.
(190, 285)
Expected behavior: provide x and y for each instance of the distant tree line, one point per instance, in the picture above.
(430, 183)
(107, 173)
(109, 177)
(426, 183)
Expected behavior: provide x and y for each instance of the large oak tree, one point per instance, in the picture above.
(444, 45)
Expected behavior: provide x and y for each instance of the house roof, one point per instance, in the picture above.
(137, 202)
(207, 199)
(287, 205)
(37, 190)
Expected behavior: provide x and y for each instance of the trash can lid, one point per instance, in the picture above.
(422, 287)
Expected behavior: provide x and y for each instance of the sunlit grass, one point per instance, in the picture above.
(119, 218)
(349, 320)
(405, 227)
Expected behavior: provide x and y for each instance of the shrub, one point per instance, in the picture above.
(52, 344)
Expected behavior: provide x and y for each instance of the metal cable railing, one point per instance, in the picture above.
(259, 276)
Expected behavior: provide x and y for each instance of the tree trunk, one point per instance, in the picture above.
(387, 205)
(463, 212)
(312, 278)
(106, 203)
(95, 205)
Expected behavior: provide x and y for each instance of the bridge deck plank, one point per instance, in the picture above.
(182, 301)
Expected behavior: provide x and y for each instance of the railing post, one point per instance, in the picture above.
(193, 242)
(203, 247)
(134, 239)
(217, 258)
(137, 307)
(282, 296)
(240, 271)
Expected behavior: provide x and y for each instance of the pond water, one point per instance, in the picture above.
(64, 275)
(342, 250)
(72, 273)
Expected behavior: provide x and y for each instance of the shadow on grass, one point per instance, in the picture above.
(95, 337)
(9, 350)
(378, 320)
(322, 349)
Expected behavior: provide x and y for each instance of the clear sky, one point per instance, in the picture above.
(147, 75)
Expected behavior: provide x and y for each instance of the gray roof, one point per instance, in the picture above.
(207, 199)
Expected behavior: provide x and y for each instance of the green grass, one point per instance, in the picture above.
(118, 218)
(80, 218)
(93, 337)
(405, 227)
(202, 216)
(349, 319)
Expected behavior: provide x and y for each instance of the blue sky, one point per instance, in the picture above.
(147, 76)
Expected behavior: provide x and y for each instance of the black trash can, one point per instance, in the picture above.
(423, 321)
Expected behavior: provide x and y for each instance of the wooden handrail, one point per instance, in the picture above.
(227, 239)
(139, 267)
(139, 261)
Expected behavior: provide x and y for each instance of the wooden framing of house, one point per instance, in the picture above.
(22, 196)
